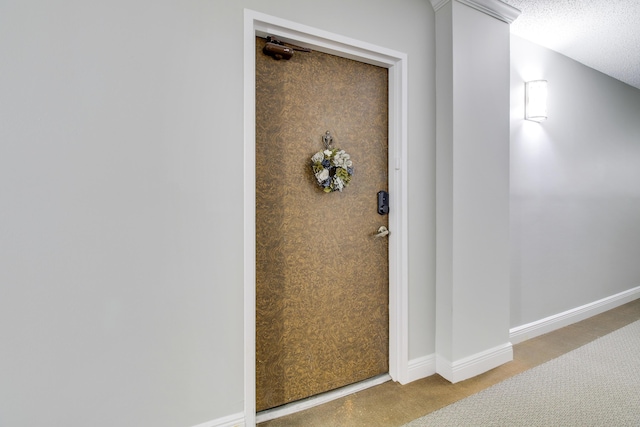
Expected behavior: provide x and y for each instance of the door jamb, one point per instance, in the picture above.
(259, 24)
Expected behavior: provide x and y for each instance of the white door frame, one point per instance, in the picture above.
(259, 24)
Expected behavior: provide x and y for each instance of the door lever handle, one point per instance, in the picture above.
(382, 231)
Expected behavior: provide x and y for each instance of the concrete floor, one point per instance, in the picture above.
(391, 404)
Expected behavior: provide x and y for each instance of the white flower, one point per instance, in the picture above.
(327, 153)
(318, 157)
(342, 159)
(322, 175)
(338, 183)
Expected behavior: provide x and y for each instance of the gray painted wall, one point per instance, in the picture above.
(121, 201)
(575, 187)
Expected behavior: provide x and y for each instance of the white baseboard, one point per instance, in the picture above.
(235, 420)
(560, 320)
(421, 367)
(474, 365)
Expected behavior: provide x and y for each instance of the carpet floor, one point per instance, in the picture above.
(595, 385)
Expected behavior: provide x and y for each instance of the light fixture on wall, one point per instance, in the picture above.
(536, 100)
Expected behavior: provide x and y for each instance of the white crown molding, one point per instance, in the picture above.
(437, 4)
(495, 8)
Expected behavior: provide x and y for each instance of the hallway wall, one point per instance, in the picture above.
(121, 234)
(575, 187)
(121, 201)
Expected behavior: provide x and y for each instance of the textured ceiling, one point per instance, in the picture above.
(602, 34)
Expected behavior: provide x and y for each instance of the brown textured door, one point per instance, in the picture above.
(322, 286)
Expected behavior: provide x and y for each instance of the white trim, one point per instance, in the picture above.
(292, 408)
(476, 364)
(437, 4)
(256, 23)
(494, 8)
(398, 220)
(422, 367)
(249, 258)
(560, 320)
(235, 420)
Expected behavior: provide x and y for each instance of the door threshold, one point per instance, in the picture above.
(310, 402)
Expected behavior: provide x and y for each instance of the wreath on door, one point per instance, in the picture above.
(332, 167)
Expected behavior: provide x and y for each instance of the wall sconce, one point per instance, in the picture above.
(535, 100)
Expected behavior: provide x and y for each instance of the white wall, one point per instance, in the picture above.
(121, 201)
(575, 187)
(472, 314)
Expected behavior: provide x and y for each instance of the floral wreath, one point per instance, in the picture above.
(332, 167)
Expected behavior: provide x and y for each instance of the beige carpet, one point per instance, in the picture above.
(595, 385)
